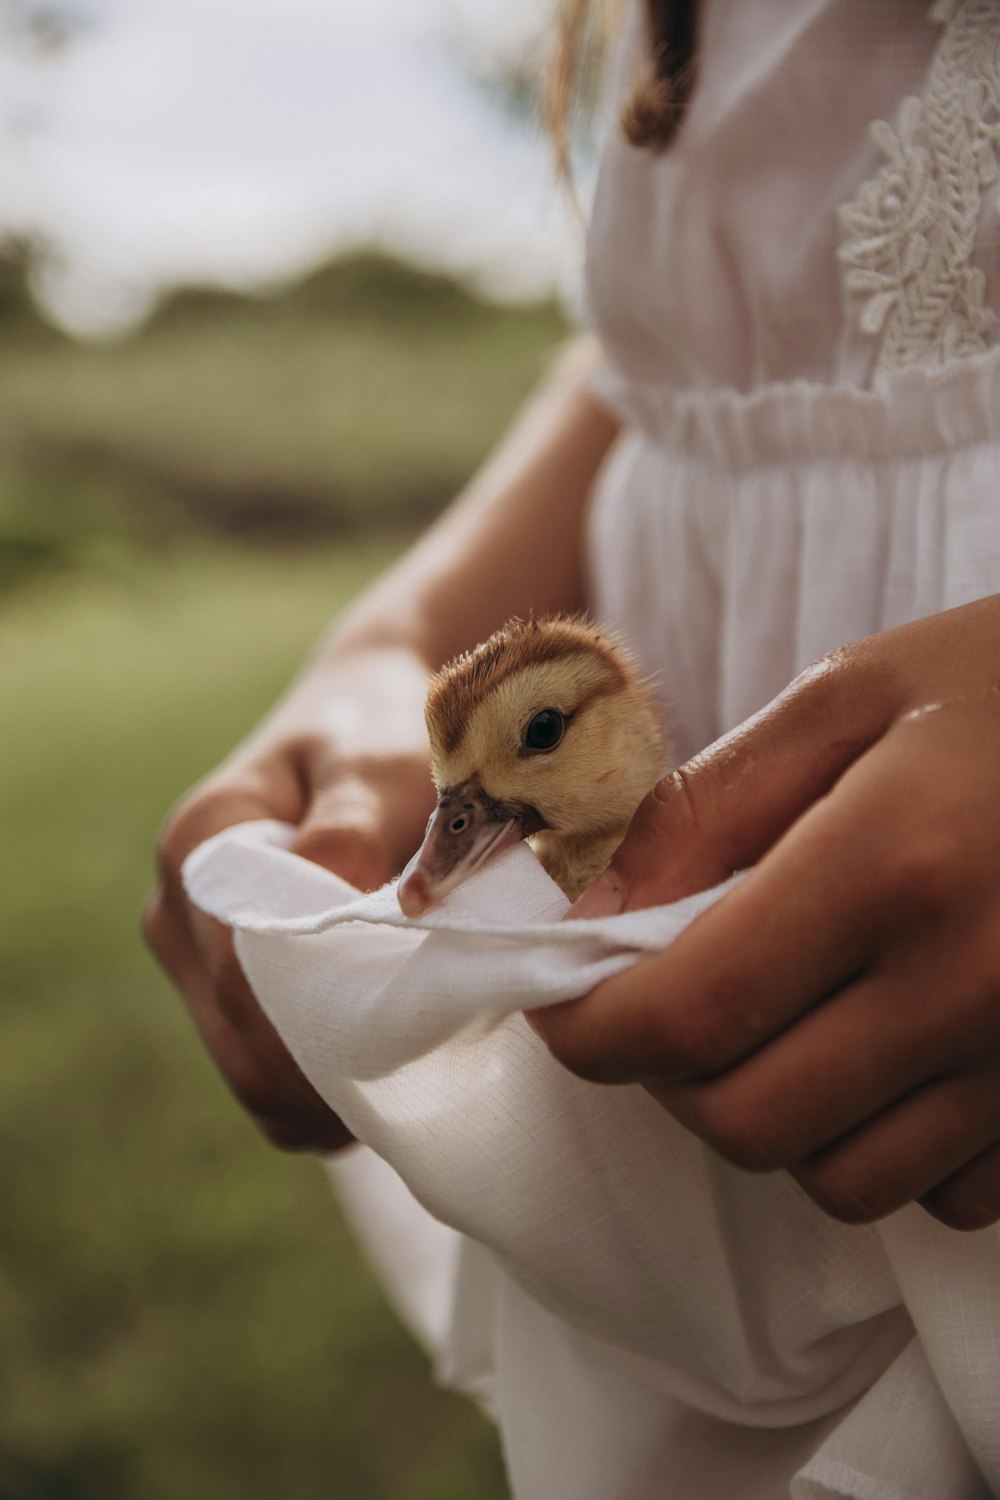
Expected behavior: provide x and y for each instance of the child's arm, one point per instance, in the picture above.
(344, 754)
(838, 1013)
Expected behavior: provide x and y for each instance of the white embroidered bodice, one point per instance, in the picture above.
(829, 210)
(911, 229)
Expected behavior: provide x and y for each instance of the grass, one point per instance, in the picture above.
(182, 1311)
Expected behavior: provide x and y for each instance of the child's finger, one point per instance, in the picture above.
(970, 1197)
(722, 810)
(365, 828)
(198, 954)
(246, 1048)
(925, 1011)
(809, 918)
(839, 1065)
(343, 832)
(741, 973)
(906, 1151)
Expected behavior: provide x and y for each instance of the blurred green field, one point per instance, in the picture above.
(361, 397)
(182, 1312)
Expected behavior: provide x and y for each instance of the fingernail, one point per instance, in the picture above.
(605, 898)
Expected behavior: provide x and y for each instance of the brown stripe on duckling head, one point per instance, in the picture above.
(462, 685)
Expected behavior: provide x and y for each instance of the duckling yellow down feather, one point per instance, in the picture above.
(545, 732)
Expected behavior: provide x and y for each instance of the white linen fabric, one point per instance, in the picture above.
(648, 1320)
(798, 319)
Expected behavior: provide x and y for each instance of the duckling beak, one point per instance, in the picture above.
(466, 830)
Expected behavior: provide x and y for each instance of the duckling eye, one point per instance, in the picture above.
(545, 730)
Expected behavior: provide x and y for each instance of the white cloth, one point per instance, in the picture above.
(651, 1321)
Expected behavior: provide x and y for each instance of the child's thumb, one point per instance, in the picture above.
(344, 830)
(724, 809)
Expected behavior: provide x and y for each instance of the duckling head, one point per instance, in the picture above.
(545, 731)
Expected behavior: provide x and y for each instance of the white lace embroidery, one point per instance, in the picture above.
(912, 227)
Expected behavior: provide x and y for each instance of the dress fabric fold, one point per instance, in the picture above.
(573, 1257)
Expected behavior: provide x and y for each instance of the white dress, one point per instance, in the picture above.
(797, 313)
(796, 304)
(796, 316)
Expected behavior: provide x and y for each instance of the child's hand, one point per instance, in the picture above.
(345, 758)
(838, 1013)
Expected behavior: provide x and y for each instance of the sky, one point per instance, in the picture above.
(242, 140)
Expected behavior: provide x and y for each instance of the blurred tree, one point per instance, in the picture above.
(17, 306)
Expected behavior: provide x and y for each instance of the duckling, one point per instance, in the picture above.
(544, 732)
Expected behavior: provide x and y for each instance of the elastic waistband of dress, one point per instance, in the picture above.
(913, 414)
